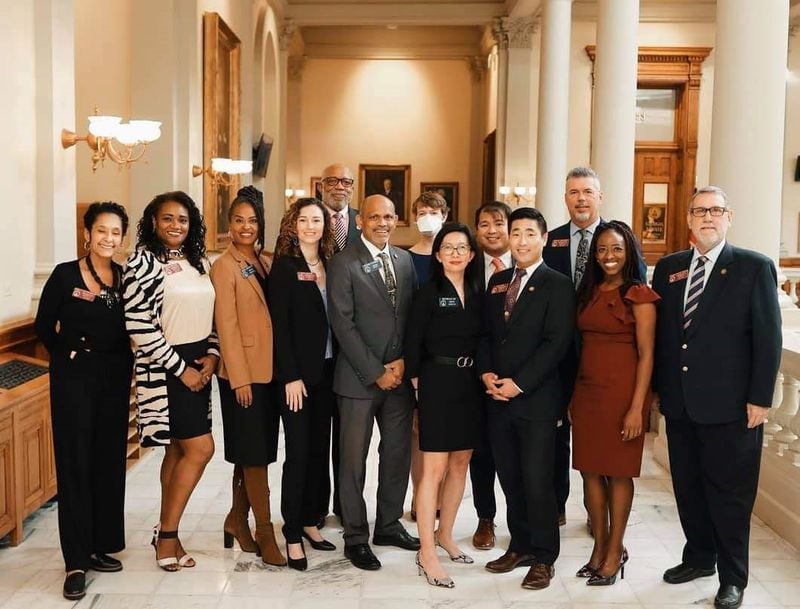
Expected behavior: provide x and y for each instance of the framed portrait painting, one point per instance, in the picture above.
(448, 190)
(315, 187)
(391, 181)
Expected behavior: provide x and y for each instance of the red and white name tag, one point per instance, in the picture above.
(83, 295)
(173, 268)
(306, 276)
(500, 288)
(560, 243)
(680, 275)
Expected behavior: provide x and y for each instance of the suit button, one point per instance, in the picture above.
(684, 346)
(685, 368)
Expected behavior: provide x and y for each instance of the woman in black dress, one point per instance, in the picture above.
(90, 380)
(304, 366)
(441, 341)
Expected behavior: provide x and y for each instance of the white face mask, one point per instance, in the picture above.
(430, 224)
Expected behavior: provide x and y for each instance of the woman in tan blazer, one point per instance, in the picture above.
(249, 408)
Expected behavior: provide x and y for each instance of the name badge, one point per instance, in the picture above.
(560, 243)
(500, 288)
(83, 295)
(449, 302)
(306, 276)
(679, 276)
(248, 270)
(371, 267)
(173, 268)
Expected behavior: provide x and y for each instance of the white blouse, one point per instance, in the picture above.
(188, 311)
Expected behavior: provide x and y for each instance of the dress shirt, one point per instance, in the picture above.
(711, 259)
(575, 239)
(374, 251)
(530, 271)
(488, 267)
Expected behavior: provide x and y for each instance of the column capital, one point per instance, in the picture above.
(477, 67)
(514, 32)
(286, 34)
(297, 64)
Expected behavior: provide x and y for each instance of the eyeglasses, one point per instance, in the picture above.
(332, 181)
(461, 248)
(716, 212)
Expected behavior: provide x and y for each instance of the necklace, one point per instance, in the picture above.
(175, 254)
(312, 263)
(110, 294)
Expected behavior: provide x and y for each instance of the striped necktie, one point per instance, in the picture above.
(339, 231)
(696, 284)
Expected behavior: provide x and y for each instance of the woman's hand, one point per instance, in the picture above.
(208, 365)
(193, 379)
(244, 395)
(632, 424)
(295, 392)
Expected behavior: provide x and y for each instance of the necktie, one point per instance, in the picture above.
(339, 231)
(695, 290)
(512, 292)
(581, 257)
(391, 283)
(498, 265)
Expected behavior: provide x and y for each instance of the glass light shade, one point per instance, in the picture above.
(127, 134)
(300, 193)
(241, 167)
(504, 190)
(103, 126)
(147, 131)
(220, 165)
(289, 192)
(519, 190)
(532, 190)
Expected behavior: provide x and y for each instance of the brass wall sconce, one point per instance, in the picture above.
(292, 194)
(518, 194)
(223, 171)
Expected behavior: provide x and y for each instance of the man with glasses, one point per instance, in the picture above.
(718, 348)
(337, 193)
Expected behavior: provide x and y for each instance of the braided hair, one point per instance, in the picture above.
(194, 247)
(252, 196)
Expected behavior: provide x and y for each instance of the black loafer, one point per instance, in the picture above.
(324, 545)
(729, 597)
(683, 573)
(75, 586)
(104, 563)
(362, 557)
(400, 539)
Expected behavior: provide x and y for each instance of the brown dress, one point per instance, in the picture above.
(605, 384)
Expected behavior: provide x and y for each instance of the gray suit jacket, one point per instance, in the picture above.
(368, 329)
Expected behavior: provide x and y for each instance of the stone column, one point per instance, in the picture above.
(613, 126)
(500, 34)
(294, 94)
(747, 127)
(553, 130)
(469, 203)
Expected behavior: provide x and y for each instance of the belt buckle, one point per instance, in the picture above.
(464, 362)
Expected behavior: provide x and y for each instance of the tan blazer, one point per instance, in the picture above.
(242, 320)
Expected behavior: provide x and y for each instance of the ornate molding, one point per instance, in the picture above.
(286, 34)
(477, 67)
(514, 32)
(500, 32)
(296, 65)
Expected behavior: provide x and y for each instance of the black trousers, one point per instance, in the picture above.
(89, 402)
(307, 444)
(562, 465)
(715, 472)
(392, 411)
(524, 454)
(482, 475)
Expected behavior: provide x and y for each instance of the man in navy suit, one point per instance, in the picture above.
(718, 349)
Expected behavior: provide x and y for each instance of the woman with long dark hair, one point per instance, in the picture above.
(616, 318)
(81, 323)
(169, 313)
(249, 412)
(304, 356)
(441, 341)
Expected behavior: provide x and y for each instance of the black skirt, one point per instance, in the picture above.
(189, 415)
(450, 402)
(251, 434)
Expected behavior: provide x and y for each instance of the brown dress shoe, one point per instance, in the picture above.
(510, 561)
(562, 520)
(483, 539)
(538, 576)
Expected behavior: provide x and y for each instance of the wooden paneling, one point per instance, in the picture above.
(6, 474)
(19, 336)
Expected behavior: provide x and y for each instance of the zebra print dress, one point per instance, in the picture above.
(143, 295)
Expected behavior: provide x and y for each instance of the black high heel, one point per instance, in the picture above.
(324, 545)
(586, 571)
(298, 564)
(609, 580)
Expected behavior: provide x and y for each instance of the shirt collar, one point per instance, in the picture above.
(373, 251)
(711, 254)
(532, 268)
(505, 259)
(343, 213)
(574, 228)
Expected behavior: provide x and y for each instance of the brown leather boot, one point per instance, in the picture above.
(236, 524)
(257, 485)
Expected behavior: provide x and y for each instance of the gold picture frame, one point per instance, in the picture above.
(372, 181)
(448, 190)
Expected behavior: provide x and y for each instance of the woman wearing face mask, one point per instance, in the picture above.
(430, 212)
(90, 380)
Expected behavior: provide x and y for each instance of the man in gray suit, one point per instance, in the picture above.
(370, 284)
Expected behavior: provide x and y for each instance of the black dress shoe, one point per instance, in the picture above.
(298, 564)
(729, 597)
(361, 556)
(75, 586)
(104, 563)
(400, 538)
(324, 545)
(683, 573)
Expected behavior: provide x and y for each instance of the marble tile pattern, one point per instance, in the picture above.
(31, 575)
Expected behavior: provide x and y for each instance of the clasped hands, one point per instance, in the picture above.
(196, 379)
(392, 375)
(502, 390)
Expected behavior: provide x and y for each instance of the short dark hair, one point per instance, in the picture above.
(528, 213)
(105, 207)
(437, 269)
(431, 199)
(493, 207)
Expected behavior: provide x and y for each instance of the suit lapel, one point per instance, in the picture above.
(527, 293)
(302, 267)
(251, 279)
(678, 288)
(400, 284)
(374, 277)
(716, 283)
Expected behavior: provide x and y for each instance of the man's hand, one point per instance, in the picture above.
(756, 415)
(388, 380)
(507, 388)
(398, 366)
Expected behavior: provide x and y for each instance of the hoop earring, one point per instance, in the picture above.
(87, 246)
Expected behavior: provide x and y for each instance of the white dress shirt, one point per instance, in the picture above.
(374, 251)
(530, 271)
(711, 256)
(488, 267)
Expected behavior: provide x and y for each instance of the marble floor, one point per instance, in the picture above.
(31, 574)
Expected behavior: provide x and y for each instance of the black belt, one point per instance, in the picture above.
(464, 361)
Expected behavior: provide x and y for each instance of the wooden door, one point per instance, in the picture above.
(656, 216)
(33, 442)
(7, 495)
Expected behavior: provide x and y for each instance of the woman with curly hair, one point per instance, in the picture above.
(169, 314)
(249, 408)
(304, 365)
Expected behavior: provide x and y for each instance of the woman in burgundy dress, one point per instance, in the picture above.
(616, 318)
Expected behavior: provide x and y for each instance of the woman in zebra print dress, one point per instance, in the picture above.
(169, 311)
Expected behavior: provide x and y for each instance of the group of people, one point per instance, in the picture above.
(488, 351)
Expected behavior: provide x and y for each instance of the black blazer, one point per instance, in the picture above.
(299, 322)
(530, 346)
(353, 232)
(731, 353)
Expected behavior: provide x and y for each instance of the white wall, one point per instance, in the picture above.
(791, 189)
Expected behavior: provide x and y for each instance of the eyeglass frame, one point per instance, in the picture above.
(447, 249)
(716, 211)
(334, 182)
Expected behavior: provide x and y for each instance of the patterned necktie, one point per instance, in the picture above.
(581, 257)
(391, 283)
(339, 231)
(695, 291)
(498, 265)
(512, 292)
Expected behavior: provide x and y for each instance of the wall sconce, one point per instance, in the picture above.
(518, 194)
(292, 194)
(223, 171)
(133, 136)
